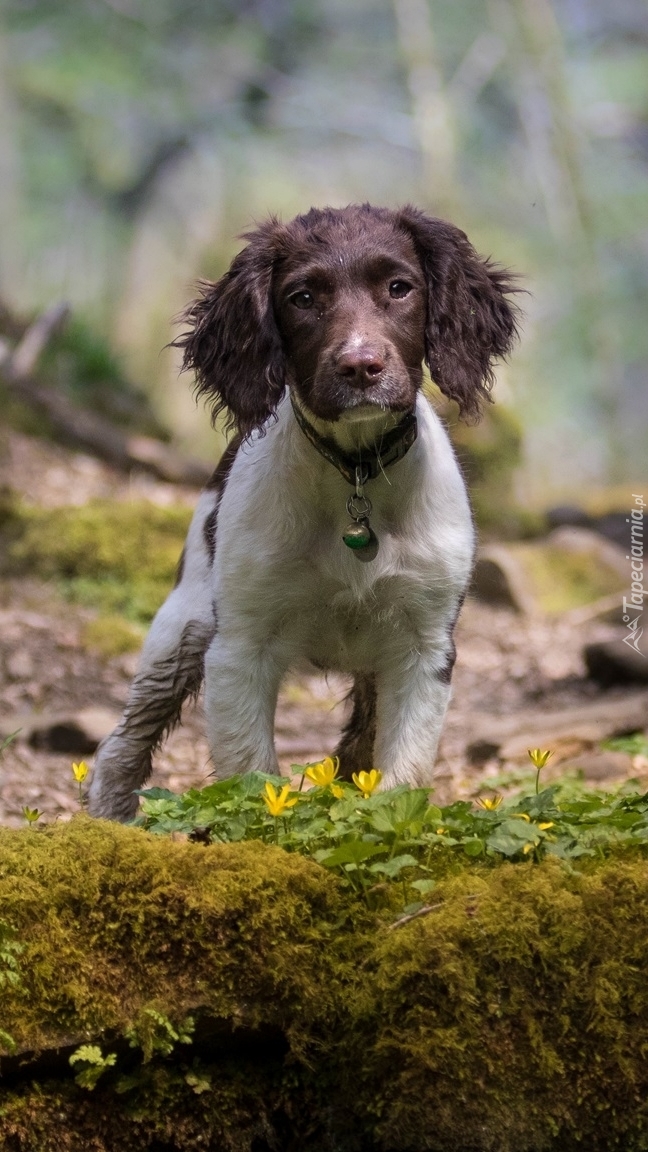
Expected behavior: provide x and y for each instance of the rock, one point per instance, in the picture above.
(499, 578)
(613, 525)
(602, 765)
(568, 516)
(77, 733)
(480, 752)
(129, 663)
(615, 662)
(573, 567)
(583, 542)
(565, 730)
(19, 664)
(607, 609)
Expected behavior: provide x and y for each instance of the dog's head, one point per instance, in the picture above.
(344, 305)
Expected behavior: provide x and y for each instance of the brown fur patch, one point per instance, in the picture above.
(359, 733)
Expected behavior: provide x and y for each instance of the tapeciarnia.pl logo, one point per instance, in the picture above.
(633, 605)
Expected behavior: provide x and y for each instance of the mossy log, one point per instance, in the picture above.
(513, 1017)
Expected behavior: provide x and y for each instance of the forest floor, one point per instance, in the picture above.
(519, 681)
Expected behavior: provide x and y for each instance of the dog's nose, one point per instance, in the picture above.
(361, 366)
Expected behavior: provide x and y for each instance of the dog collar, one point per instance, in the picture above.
(357, 470)
(371, 461)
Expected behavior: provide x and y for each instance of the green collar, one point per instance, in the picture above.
(371, 461)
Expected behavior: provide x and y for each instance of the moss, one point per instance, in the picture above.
(490, 450)
(516, 1018)
(111, 636)
(69, 893)
(511, 1018)
(560, 579)
(489, 453)
(119, 557)
(114, 921)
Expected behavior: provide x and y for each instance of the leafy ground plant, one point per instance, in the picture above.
(92, 1065)
(373, 838)
(10, 977)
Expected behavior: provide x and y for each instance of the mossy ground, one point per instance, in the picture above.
(560, 579)
(112, 635)
(118, 557)
(511, 1018)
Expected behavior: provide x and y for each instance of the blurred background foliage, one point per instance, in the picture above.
(138, 137)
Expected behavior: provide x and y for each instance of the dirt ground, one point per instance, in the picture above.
(520, 677)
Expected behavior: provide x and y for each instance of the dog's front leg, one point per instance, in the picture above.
(413, 695)
(242, 681)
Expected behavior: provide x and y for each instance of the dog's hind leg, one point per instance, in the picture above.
(356, 745)
(171, 670)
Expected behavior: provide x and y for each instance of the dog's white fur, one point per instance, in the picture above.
(284, 591)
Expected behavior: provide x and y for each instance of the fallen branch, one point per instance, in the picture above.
(22, 363)
(414, 915)
(81, 428)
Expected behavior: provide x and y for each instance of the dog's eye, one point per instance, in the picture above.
(399, 289)
(302, 299)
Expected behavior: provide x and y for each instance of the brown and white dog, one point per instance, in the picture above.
(313, 342)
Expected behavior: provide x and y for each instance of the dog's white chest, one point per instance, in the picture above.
(340, 631)
(284, 574)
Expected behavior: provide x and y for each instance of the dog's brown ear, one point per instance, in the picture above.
(233, 343)
(470, 320)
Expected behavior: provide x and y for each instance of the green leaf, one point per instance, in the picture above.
(7, 1041)
(204, 817)
(343, 809)
(473, 847)
(460, 810)
(423, 886)
(199, 1082)
(415, 907)
(504, 844)
(156, 794)
(9, 740)
(88, 1054)
(216, 792)
(95, 1064)
(384, 820)
(519, 830)
(411, 806)
(636, 744)
(352, 852)
(394, 867)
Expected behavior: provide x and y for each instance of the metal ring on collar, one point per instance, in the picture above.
(358, 507)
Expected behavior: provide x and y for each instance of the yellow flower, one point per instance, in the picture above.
(520, 816)
(367, 782)
(490, 804)
(324, 773)
(80, 771)
(543, 827)
(528, 848)
(31, 815)
(278, 802)
(337, 791)
(441, 831)
(538, 757)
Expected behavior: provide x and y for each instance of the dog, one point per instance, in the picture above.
(336, 531)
